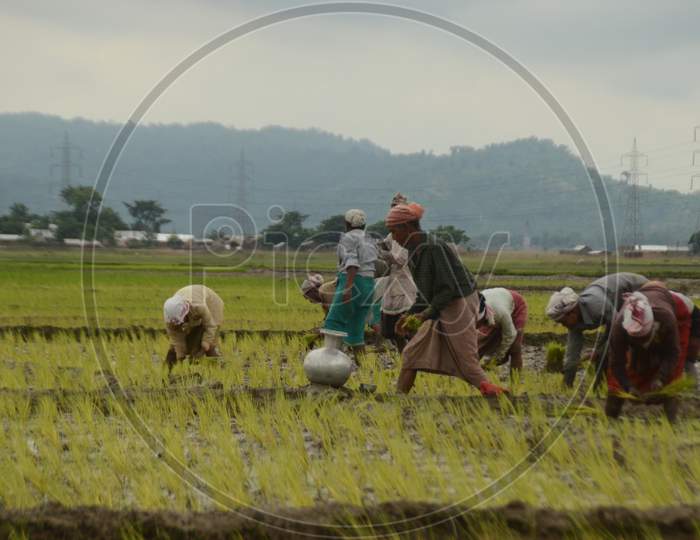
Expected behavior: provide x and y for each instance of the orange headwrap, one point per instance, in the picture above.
(404, 213)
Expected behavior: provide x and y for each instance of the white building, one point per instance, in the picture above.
(79, 242)
(660, 248)
(162, 238)
(123, 237)
(10, 237)
(43, 234)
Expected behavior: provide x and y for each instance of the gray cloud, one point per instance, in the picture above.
(620, 68)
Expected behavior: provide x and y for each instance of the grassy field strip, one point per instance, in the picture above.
(509, 262)
(125, 300)
(255, 361)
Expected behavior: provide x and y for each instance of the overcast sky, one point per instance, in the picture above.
(621, 69)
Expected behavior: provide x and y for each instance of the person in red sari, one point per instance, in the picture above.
(648, 347)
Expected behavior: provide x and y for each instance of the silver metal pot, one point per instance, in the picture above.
(328, 365)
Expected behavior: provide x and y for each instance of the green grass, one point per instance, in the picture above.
(44, 287)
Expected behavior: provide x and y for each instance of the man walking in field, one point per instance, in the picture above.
(597, 305)
(447, 307)
(192, 318)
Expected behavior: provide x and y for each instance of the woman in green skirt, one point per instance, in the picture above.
(353, 297)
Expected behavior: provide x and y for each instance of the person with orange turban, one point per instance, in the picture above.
(447, 305)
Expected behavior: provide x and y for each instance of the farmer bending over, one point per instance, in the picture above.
(318, 291)
(502, 318)
(192, 317)
(597, 305)
(648, 348)
(447, 305)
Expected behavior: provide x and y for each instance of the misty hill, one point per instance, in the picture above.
(526, 186)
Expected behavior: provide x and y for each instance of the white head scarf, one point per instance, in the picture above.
(561, 303)
(637, 316)
(175, 309)
(356, 218)
(312, 281)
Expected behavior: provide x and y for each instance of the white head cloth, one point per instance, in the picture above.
(637, 316)
(356, 218)
(561, 303)
(175, 309)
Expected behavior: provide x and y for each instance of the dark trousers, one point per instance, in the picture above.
(389, 330)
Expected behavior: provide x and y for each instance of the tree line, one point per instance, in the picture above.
(291, 229)
(87, 215)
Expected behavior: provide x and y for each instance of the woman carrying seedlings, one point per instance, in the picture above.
(354, 292)
(446, 307)
(192, 318)
(597, 305)
(502, 318)
(399, 289)
(648, 348)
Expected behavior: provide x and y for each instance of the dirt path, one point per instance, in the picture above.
(412, 520)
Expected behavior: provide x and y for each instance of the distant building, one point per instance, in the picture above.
(43, 234)
(6, 238)
(122, 238)
(163, 238)
(79, 242)
(581, 249)
(660, 248)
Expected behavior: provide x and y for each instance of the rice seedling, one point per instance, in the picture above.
(245, 427)
(554, 357)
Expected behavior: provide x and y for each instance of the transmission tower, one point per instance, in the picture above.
(631, 233)
(66, 158)
(695, 177)
(242, 179)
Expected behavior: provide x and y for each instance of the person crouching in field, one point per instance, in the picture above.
(318, 291)
(502, 318)
(354, 293)
(192, 318)
(447, 307)
(648, 348)
(597, 305)
(694, 339)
